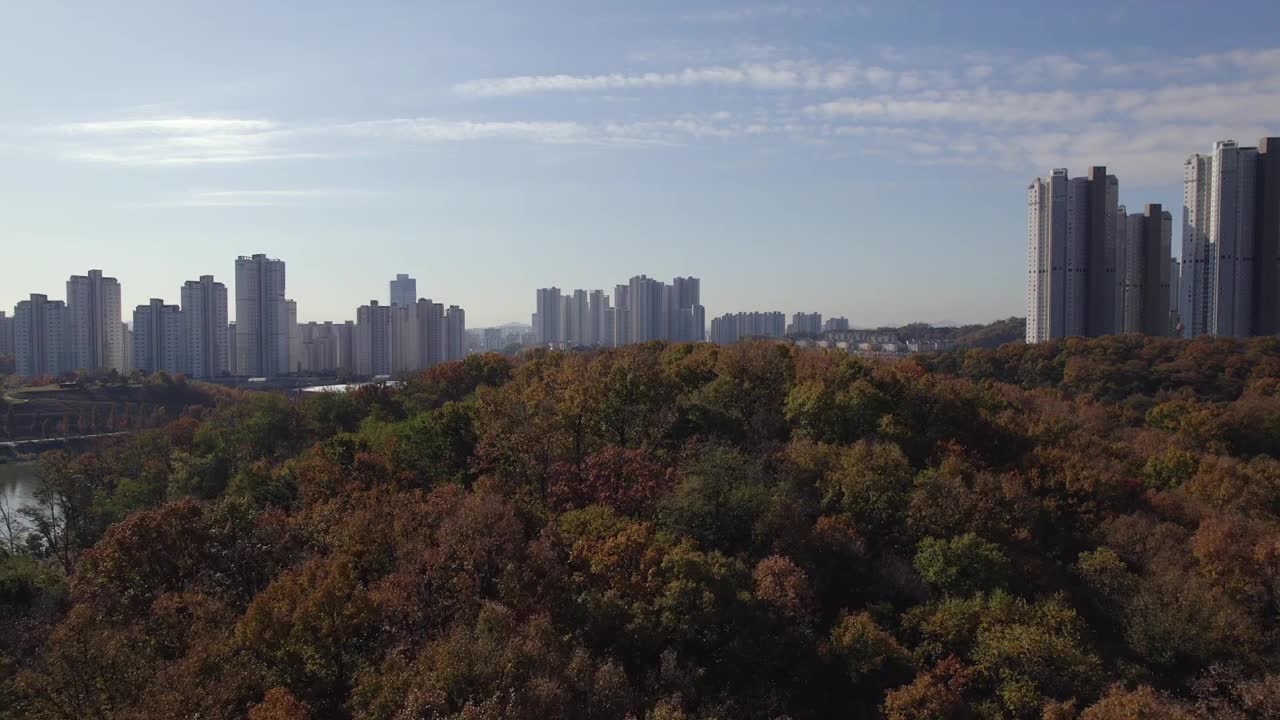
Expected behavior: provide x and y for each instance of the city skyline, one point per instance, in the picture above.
(496, 148)
(1095, 269)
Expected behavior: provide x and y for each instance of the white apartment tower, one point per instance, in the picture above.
(159, 341)
(262, 320)
(1218, 240)
(404, 294)
(597, 306)
(321, 347)
(1071, 255)
(403, 337)
(728, 329)
(41, 330)
(546, 321)
(430, 319)
(204, 313)
(93, 303)
(646, 297)
(578, 327)
(805, 324)
(372, 345)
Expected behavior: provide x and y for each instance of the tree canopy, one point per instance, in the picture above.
(1077, 529)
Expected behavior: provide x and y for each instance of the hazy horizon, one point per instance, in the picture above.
(868, 159)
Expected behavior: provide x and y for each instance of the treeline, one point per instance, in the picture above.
(1080, 529)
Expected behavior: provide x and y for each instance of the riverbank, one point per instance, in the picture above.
(27, 450)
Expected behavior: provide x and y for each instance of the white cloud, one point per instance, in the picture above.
(256, 198)
(187, 125)
(779, 11)
(999, 107)
(782, 75)
(437, 130)
(182, 140)
(931, 105)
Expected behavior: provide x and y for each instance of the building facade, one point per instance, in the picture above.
(837, 324)
(431, 333)
(42, 335)
(6, 334)
(547, 316)
(159, 340)
(642, 310)
(732, 327)
(373, 340)
(295, 336)
(1143, 289)
(1072, 255)
(455, 334)
(262, 320)
(204, 313)
(93, 304)
(404, 290)
(1231, 241)
(805, 324)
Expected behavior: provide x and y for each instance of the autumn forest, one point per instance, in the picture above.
(1077, 529)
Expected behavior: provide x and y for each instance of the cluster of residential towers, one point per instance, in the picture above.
(644, 309)
(1095, 269)
(86, 330)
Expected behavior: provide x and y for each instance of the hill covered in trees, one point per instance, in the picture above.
(1078, 529)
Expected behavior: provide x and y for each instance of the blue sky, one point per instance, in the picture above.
(861, 159)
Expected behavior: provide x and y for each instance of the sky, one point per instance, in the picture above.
(863, 159)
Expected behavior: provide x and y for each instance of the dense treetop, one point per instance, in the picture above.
(1080, 529)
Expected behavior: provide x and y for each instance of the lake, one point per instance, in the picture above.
(17, 482)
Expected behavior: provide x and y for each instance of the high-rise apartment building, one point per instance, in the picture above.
(597, 307)
(646, 297)
(642, 310)
(373, 340)
(546, 320)
(1143, 242)
(93, 304)
(455, 334)
(404, 290)
(126, 334)
(262, 321)
(42, 330)
(732, 327)
(6, 335)
(1231, 241)
(404, 294)
(687, 320)
(430, 319)
(805, 324)
(295, 336)
(159, 340)
(204, 312)
(1071, 255)
(321, 347)
(622, 333)
(233, 361)
(494, 339)
(838, 324)
(346, 333)
(404, 348)
(1266, 259)
(578, 329)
